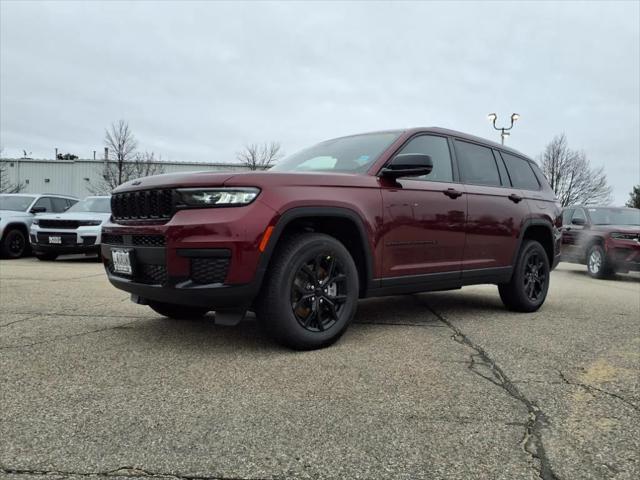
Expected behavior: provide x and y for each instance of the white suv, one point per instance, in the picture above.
(75, 231)
(17, 211)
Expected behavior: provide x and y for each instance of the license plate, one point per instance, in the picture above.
(56, 240)
(121, 261)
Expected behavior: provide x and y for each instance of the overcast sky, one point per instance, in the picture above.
(198, 80)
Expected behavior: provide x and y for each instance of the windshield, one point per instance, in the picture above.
(17, 203)
(615, 216)
(346, 154)
(92, 204)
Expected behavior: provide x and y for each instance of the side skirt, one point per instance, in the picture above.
(438, 281)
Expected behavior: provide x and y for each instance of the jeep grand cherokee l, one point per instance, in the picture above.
(606, 239)
(383, 213)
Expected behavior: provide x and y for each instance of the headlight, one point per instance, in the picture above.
(36, 221)
(624, 236)
(89, 223)
(218, 197)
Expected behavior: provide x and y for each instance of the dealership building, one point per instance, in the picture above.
(75, 177)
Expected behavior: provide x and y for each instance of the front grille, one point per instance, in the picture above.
(145, 205)
(111, 239)
(89, 240)
(64, 224)
(209, 270)
(65, 238)
(137, 240)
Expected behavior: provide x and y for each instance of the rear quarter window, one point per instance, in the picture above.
(521, 172)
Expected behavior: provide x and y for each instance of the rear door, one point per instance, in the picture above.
(496, 210)
(424, 216)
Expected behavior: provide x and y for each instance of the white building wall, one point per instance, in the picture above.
(73, 177)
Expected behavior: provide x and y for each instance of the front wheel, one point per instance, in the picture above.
(178, 312)
(529, 283)
(311, 293)
(597, 264)
(14, 244)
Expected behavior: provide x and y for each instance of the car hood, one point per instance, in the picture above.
(13, 213)
(617, 228)
(75, 216)
(246, 179)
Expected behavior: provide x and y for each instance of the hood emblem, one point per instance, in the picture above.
(136, 182)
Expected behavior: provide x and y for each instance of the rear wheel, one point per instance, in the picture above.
(597, 264)
(529, 283)
(46, 256)
(178, 312)
(311, 294)
(13, 244)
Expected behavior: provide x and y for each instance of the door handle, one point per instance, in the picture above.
(515, 198)
(452, 193)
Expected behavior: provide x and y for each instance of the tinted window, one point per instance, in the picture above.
(59, 204)
(566, 216)
(438, 149)
(521, 173)
(504, 176)
(477, 164)
(579, 213)
(44, 202)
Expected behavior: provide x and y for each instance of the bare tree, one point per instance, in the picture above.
(5, 184)
(122, 145)
(259, 157)
(571, 176)
(634, 197)
(141, 165)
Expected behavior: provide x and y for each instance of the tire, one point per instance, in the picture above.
(46, 257)
(298, 305)
(14, 244)
(597, 264)
(178, 312)
(529, 283)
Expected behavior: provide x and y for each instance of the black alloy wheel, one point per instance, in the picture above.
(318, 292)
(535, 276)
(14, 244)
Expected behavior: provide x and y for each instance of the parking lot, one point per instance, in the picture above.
(439, 385)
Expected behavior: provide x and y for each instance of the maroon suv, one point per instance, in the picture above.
(606, 239)
(382, 213)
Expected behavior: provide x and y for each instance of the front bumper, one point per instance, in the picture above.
(201, 257)
(79, 240)
(624, 254)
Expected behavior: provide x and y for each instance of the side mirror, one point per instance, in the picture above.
(578, 221)
(408, 165)
(38, 210)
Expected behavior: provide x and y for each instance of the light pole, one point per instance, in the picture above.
(504, 132)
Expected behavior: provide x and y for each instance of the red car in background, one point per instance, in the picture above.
(382, 213)
(606, 239)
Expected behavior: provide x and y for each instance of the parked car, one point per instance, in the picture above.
(367, 215)
(606, 239)
(17, 211)
(77, 230)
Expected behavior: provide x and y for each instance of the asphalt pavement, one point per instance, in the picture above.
(438, 385)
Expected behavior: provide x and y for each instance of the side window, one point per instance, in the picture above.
(579, 213)
(438, 149)
(520, 172)
(44, 202)
(59, 204)
(506, 182)
(566, 216)
(71, 203)
(477, 164)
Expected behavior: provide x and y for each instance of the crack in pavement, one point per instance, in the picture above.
(18, 321)
(57, 337)
(126, 471)
(591, 388)
(532, 440)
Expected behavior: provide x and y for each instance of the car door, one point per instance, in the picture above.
(45, 203)
(565, 230)
(424, 216)
(496, 210)
(59, 204)
(573, 234)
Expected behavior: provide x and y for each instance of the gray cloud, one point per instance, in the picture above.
(197, 80)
